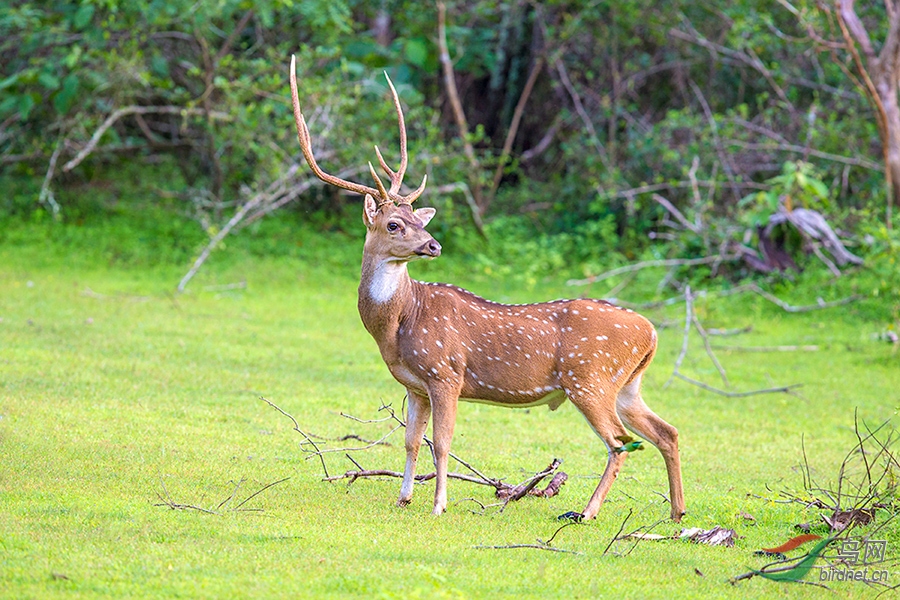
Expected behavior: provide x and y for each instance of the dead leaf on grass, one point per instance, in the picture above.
(841, 519)
(717, 536)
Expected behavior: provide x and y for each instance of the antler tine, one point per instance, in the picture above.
(396, 178)
(410, 198)
(395, 181)
(305, 140)
(382, 193)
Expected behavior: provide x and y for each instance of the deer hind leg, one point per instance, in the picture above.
(602, 417)
(417, 412)
(644, 422)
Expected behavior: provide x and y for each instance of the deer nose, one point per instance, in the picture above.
(431, 248)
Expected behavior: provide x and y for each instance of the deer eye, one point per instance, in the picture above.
(392, 226)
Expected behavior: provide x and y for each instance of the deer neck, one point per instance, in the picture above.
(385, 296)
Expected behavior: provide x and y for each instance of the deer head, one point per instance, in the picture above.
(388, 216)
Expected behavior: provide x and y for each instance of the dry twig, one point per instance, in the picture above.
(306, 436)
(166, 499)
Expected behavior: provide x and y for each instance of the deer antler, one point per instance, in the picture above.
(397, 178)
(385, 196)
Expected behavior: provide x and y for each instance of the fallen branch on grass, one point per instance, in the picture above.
(727, 332)
(504, 491)
(769, 348)
(535, 546)
(306, 437)
(221, 508)
(541, 544)
(690, 319)
(783, 389)
(820, 304)
(647, 264)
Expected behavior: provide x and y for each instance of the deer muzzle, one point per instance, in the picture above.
(430, 249)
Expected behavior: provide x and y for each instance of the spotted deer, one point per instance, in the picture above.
(445, 344)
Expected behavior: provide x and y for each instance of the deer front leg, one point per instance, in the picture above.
(443, 412)
(417, 412)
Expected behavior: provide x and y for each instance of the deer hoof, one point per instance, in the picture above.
(577, 517)
(402, 503)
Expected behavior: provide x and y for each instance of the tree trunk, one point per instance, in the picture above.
(881, 73)
(885, 80)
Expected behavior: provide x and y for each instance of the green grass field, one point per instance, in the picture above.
(115, 394)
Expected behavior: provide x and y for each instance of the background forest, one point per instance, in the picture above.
(572, 135)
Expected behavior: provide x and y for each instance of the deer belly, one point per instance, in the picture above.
(514, 399)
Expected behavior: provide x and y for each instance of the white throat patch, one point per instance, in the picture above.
(385, 280)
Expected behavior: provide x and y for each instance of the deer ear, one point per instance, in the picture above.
(424, 214)
(369, 210)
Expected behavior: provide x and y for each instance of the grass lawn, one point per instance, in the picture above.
(115, 395)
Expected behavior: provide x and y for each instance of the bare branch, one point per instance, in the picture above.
(676, 213)
(579, 108)
(458, 113)
(669, 262)
(714, 129)
(855, 26)
(753, 61)
(520, 491)
(618, 533)
(786, 389)
(135, 110)
(656, 187)
(688, 318)
(784, 147)
(544, 142)
(796, 309)
(514, 127)
(709, 350)
(259, 491)
(46, 195)
(769, 348)
(535, 546)
(301, 432)
(460, 186)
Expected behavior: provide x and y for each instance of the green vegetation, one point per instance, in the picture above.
(114, 394)
(624, 96)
